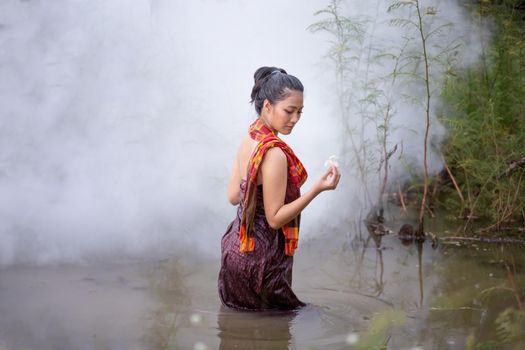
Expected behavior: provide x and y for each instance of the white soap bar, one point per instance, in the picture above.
(332, 160)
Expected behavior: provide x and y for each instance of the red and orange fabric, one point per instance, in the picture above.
(296, 177)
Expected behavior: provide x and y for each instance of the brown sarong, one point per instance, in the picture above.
(261, 279)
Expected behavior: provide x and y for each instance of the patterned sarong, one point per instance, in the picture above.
(296, 177)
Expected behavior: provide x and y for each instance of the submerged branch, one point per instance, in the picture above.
(482, 239)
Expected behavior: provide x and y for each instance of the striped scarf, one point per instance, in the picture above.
(296, 177)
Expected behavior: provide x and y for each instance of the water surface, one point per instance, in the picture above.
(362, 291)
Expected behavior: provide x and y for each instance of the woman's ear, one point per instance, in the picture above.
(267, 106)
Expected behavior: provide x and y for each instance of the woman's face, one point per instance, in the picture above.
(283, 115)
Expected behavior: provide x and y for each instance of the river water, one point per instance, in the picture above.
(362, 292)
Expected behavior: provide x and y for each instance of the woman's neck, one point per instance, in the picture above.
(265, 121)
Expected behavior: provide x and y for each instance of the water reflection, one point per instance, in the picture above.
(480, 298)
(254, 330)
(361, 261)
(379, 264)
(419, 245)
(166, 281)
(365, 257)
(380, 285)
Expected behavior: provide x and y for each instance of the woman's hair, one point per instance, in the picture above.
(272, 84)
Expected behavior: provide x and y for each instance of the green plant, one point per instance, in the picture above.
(486, 122)
(356, 56)
(347, 39)
(416, 19)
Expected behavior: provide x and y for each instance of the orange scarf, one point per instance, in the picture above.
(296, 177)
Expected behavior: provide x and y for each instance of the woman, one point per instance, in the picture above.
(258, 246)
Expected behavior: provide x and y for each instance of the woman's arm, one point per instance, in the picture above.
(235, 182)
(274, 172)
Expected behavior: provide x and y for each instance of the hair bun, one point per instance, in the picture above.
(270, 85)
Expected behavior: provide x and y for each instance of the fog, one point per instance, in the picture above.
(119, 120)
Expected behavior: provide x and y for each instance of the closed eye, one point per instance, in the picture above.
(291, 112)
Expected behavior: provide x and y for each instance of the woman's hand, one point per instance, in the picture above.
(274, 178)
(328, 181)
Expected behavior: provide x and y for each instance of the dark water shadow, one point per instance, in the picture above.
(254, 330)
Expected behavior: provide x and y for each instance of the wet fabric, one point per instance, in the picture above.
(261, 279)
(297, 175)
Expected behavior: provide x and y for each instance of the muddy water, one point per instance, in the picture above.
(362, 292)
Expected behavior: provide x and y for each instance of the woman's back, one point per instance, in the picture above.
(243, 157)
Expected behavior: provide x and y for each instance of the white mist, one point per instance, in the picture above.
(120, 120)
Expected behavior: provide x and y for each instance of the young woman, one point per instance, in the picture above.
(258, 246)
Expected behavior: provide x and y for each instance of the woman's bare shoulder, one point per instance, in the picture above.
(276, 154)
(274, 158)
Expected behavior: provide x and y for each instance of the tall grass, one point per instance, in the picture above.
(365, 98)
(485, 149)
